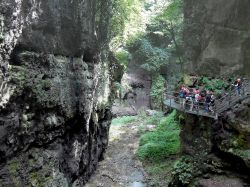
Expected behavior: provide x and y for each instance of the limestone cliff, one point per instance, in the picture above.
(217, 37)
(216, 152)
(54, 103)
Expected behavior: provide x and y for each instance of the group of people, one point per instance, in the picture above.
(195, 98)
(205, 98)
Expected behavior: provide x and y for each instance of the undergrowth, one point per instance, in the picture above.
(215, 85)
(124, 120)
(161, 143)
(158, 148)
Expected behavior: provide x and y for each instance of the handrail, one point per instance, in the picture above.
(229, 98)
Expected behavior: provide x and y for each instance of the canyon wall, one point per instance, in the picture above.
(55, 96)
(216, 37)
(216, 152)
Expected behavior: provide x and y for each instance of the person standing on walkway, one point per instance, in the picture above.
(182, 95)
(207, 102)
(237, 85)
(212, 103)
(190, 97)
(196, 99)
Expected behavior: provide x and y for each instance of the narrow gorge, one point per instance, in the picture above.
(81, 78)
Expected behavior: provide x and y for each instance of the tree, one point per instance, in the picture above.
(170, 23)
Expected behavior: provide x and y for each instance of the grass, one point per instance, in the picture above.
(158, 150)
(123, 120)
(159, 173)
(161, 143)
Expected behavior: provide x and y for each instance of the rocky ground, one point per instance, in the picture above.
(120, 167)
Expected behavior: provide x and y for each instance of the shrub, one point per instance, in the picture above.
(123, 57)
(157, 90)
(215, 85)
(183, 171)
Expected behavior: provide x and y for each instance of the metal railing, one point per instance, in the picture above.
(221, 104)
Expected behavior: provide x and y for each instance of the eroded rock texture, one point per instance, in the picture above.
(216, 153)
(216, 35)
(54, 104)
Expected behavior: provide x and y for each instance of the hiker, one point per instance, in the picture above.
(182, 95)
(207, 101)
(237, 85)
(190, 97)
(197, 98)
(212, 103)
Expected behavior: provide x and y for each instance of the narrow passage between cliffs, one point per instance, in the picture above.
(120, 167)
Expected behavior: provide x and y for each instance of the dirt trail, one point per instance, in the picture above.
(120, 168)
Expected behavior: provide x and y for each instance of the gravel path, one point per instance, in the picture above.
(120, 168)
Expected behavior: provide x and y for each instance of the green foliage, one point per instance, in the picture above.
(39, 180)
(14, 166)
(156, 170)
(125, 16)
(170, 22)
(244, 154)
(124, 120)
(162, 142)
(123, 57)
(133, 42)
(157, 89)
(122, 9)
(120, 88)
(215, 85)
(155, 118)
(183, 171)
(159, 172)
(248, 154)
(154, 57)
(173, 12)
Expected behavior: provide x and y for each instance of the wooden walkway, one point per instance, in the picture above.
(221, 105)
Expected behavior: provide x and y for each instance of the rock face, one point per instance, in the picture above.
(216, 151)
(217, 37)
(136, 96)
(54, 103)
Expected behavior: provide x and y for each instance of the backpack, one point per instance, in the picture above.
(181, 94)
